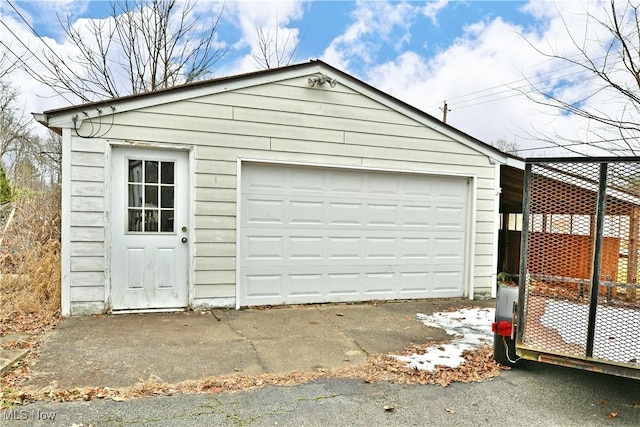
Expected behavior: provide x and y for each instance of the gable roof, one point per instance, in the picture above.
(57, 119)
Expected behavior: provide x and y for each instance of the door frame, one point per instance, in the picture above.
(468, 270)
(151, 146)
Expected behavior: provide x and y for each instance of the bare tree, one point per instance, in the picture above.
(50, 157)
(15, 129)
(614, 75)
(145, 45)
(27, 156)
(7, 63)
(506, 146)
(273, 49)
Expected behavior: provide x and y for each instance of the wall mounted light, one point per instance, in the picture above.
(321, 79)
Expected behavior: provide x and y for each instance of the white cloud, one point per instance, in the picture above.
(476, 75)
(374, 23)
(273, 19)
(432, 8)
(488, 55)
(473, 73)
(25, 48)
(37, 97)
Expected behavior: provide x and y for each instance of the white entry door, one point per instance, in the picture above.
(150, 217)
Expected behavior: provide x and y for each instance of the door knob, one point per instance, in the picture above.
(184, 240)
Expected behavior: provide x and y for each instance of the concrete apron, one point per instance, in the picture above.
(121, 350)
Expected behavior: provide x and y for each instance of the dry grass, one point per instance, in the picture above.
(30, 263)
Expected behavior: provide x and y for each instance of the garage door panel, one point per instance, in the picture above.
(447, 279)
(415, 187)
(448, 248)
(347, 284)
(381, 185)
(314, 248)
(299, 285)
(345, 183)
(383, 215)
(379, 284)
(450, 189)
(305, 213)
(415, 282)
(417, 248)
(258, 180)
(345, 214)
(417, 216)
(264, 211)
(263, 248)
(344, 248)
(305, 248)
(381, 248)
(304, 181)
(263, 285)
(324, 235)
(450, 218)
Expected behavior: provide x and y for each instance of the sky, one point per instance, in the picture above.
(478, 56)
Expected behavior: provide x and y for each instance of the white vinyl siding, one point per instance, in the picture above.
(283, 121)
(84, 216)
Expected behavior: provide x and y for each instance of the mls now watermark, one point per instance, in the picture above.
(24, 415)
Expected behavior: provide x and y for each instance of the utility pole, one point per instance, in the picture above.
(445, 109)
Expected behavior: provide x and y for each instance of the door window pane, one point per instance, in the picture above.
(167, 197)
(167, 173)
(135, 196)
(166, 220)
(135, 219)
(151, 201)
(150, 220)
(150, 171)
(151, 196)
(135, 170)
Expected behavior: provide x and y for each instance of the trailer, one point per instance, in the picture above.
(577, 299)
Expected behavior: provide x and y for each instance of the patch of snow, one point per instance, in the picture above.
(471, 329)
(616, 336)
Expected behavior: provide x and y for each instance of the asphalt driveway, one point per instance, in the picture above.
(533, 395)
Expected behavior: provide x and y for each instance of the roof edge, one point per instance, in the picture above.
(57, 118)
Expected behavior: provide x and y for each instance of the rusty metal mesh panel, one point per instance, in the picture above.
(562, 215)
(617, 323)
(562, 207)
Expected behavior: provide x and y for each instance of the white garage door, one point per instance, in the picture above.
(331, 235)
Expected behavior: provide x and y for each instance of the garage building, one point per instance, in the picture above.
(300, 184)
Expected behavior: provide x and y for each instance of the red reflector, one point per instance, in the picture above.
(502, 328)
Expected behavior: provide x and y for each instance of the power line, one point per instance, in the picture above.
(31, 70)
(505, 87)
(66, 76)
(470, 102)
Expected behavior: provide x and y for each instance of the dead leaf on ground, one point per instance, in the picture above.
(479, 366)
(612, 415)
